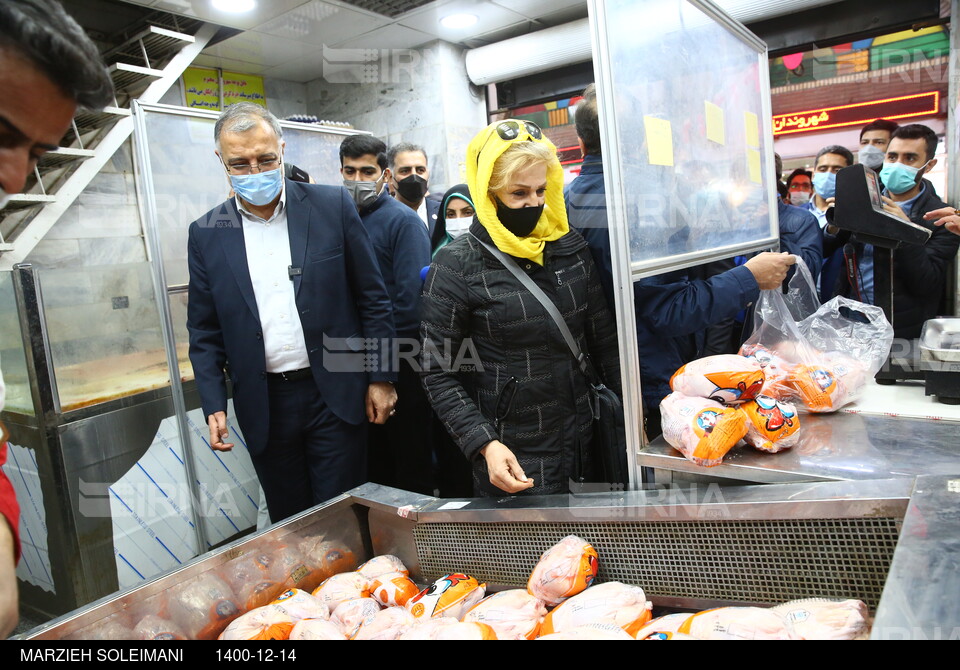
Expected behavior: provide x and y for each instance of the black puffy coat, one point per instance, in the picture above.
(515, 379)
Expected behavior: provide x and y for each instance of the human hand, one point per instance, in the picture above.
(893, 208)
(9, 608)
(217, 422)
(381, 397)
(945, 216)
(505, 472)
(770, 269)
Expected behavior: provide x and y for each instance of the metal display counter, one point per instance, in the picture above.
(688, 548)
(835, 447)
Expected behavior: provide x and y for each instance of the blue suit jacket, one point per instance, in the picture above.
(340, 296)
(433, 208)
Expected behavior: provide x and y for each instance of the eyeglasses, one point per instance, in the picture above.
(511, 129)
(247, 168)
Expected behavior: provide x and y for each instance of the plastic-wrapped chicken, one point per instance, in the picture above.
(264, 623)
(513, 614)
(591, 631)
(449, 596)
(702, 430)
(203, 607)
(301, 605)
(727, 378)
(250, 578)
(329, 558)
(737, 623)
(115, 627)
(316, 629)
(352, 614)
(824, 619)
(445, 628)
(290, 568)
(666, 625)
(342, 587)
(393, 588)
(381, 565)
(776, 369)
(387, 624)
(152, 627)
(564, 570)
(615, 603)
(772, 425)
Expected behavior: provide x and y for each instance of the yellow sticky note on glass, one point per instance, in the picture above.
(751, 126)
(659, 140)
(714, 117)
(753, 166)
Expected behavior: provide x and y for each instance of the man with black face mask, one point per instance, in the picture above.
(399, 452)
(409, 177)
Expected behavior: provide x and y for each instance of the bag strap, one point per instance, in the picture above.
(547, 303)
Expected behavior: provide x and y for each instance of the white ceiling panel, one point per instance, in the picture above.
(254, 47)
(322, 23)
(393, 36)
(203, 9)
(228, 65)
(490, 17)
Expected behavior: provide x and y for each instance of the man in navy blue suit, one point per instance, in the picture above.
(286, 295)
(409, 181)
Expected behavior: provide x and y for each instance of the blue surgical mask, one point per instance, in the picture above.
(260, 188)
(825, 184)
(900, 178)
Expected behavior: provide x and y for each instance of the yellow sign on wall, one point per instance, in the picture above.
(201, 88)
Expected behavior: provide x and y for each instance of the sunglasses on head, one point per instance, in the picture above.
(511, 129)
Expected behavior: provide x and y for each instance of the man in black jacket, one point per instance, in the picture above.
(919, 271)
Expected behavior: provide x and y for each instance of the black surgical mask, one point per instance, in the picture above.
(412, 188)
(520, 221)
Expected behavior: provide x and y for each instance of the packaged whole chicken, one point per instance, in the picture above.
(428, 628)
(824, 619)
(591, 631)
(329, 558)
(270, 622)
(302, 605)
(290, 568)
(153, 627)
(564, 570)
(737, 623)
(387, 624)
(663, 627)
(727, 379)
(202, 607)
(252, 580)
(393, 588)
(449, 596)
(702, 430)
(316, 629)
(614, 603)
(340, 588)
(772, 425)
(115, 627)
(446, 628)
(350, 615)
(381, 565)
(776, 369)
(513, 614)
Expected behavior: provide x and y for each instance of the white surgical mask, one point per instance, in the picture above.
(457, 227)
(799, 198)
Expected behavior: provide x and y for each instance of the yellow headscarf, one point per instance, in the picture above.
(482, 154)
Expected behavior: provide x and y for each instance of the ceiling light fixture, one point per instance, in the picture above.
(458, 21)
(234, 6)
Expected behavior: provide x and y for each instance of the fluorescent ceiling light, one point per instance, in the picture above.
(234, 6)
(457, 21)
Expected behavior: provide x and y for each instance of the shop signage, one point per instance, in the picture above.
(861, 113)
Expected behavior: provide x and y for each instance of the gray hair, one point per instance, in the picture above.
(43, 33)
(241, 117)
(403, 148)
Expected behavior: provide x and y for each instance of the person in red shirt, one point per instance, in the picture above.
(48, 67)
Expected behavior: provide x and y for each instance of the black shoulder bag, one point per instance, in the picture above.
(609, 438)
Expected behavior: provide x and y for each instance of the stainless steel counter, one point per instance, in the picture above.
(834, 447)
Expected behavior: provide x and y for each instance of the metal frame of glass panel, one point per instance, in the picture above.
(625, 269)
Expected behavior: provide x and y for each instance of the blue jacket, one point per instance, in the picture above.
(402, 247)
(339, 293)
(673, 310)
(800, 235)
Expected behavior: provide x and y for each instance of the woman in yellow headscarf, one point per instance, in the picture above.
(496, 368)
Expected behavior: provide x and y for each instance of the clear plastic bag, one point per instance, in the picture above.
(818, 357)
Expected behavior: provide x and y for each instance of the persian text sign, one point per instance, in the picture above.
(858, 114)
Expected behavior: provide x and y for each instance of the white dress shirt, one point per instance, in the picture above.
(268, 259)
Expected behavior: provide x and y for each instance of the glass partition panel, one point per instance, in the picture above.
(178, 314)
(104, 330)
(685, 91)
(13, 361)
